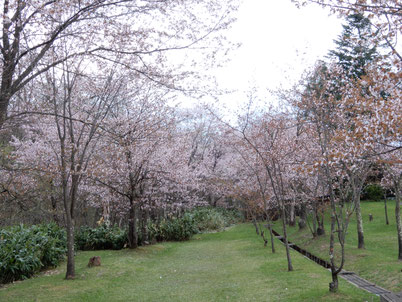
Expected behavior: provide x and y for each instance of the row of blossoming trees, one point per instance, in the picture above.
(85, 108)
(110, 142)
(339, 124)
(334, 131)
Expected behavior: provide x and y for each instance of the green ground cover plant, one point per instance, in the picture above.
(101, 238)
(25, 251)
(231, 265)
(214, 219)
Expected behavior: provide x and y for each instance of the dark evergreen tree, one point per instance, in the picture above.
(356, 46)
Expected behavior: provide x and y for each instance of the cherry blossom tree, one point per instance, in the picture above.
(129, 158)
(61, 141)
(319, 107)
(271, 139)
(378, 122)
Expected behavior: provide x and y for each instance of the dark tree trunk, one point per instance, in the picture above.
(271, 234)
(263, 238)
(333, 286)
(132, 227)
(285, 236)
(314, 220)
(359, 222)
(70, 274)
(386, 209)
(303, 216)
(54, 210)
(398, 217)
(320, 223)
(144, 225)
(256, 226)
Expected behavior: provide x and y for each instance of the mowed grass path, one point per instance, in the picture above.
(228, 266)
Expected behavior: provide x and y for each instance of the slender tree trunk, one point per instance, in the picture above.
(320, 224)
(272, 237)
(5, 87)
(3, 111)
(70, 274)
(255, 225)
(285, 236)
(132, 226)
(54, 209)
(292, 218)
(303, 216)
(314, 220)
(398, 217)
(386, 209)
(144, 227)
(333, 286)
(359, 222)
(269, 226)
(263, 237)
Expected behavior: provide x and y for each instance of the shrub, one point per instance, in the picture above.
(211, 219)
(208, 219)
(232, 216)
(174, 229)
(26, 250)
(100, 238)
(54, 244)
(373, 192)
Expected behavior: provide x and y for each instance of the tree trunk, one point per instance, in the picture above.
(285, 236)
(54, 210)
(271, 234)
(333, 286)
(303, 216)
(386, 209)
(132, 226)
(256, 225)
(292, 218)
(314, 220)
(70, 274)
(320, 223)
(398, 217)
(144, 225)
(359, 222)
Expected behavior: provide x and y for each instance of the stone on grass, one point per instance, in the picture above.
(94, 261)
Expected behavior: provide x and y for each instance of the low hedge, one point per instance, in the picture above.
(214, 219)
(174, 229)
(101, 238)
(24, 250)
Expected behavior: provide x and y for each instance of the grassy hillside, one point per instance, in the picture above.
(378, 261)
(228, 266)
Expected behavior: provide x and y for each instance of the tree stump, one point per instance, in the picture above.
(94, 261)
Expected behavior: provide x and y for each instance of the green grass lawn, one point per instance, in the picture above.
(378, 261)
(228, 266)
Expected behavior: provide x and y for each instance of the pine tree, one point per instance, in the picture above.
(356, 46)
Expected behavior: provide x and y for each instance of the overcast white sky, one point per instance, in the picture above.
(279, 41)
